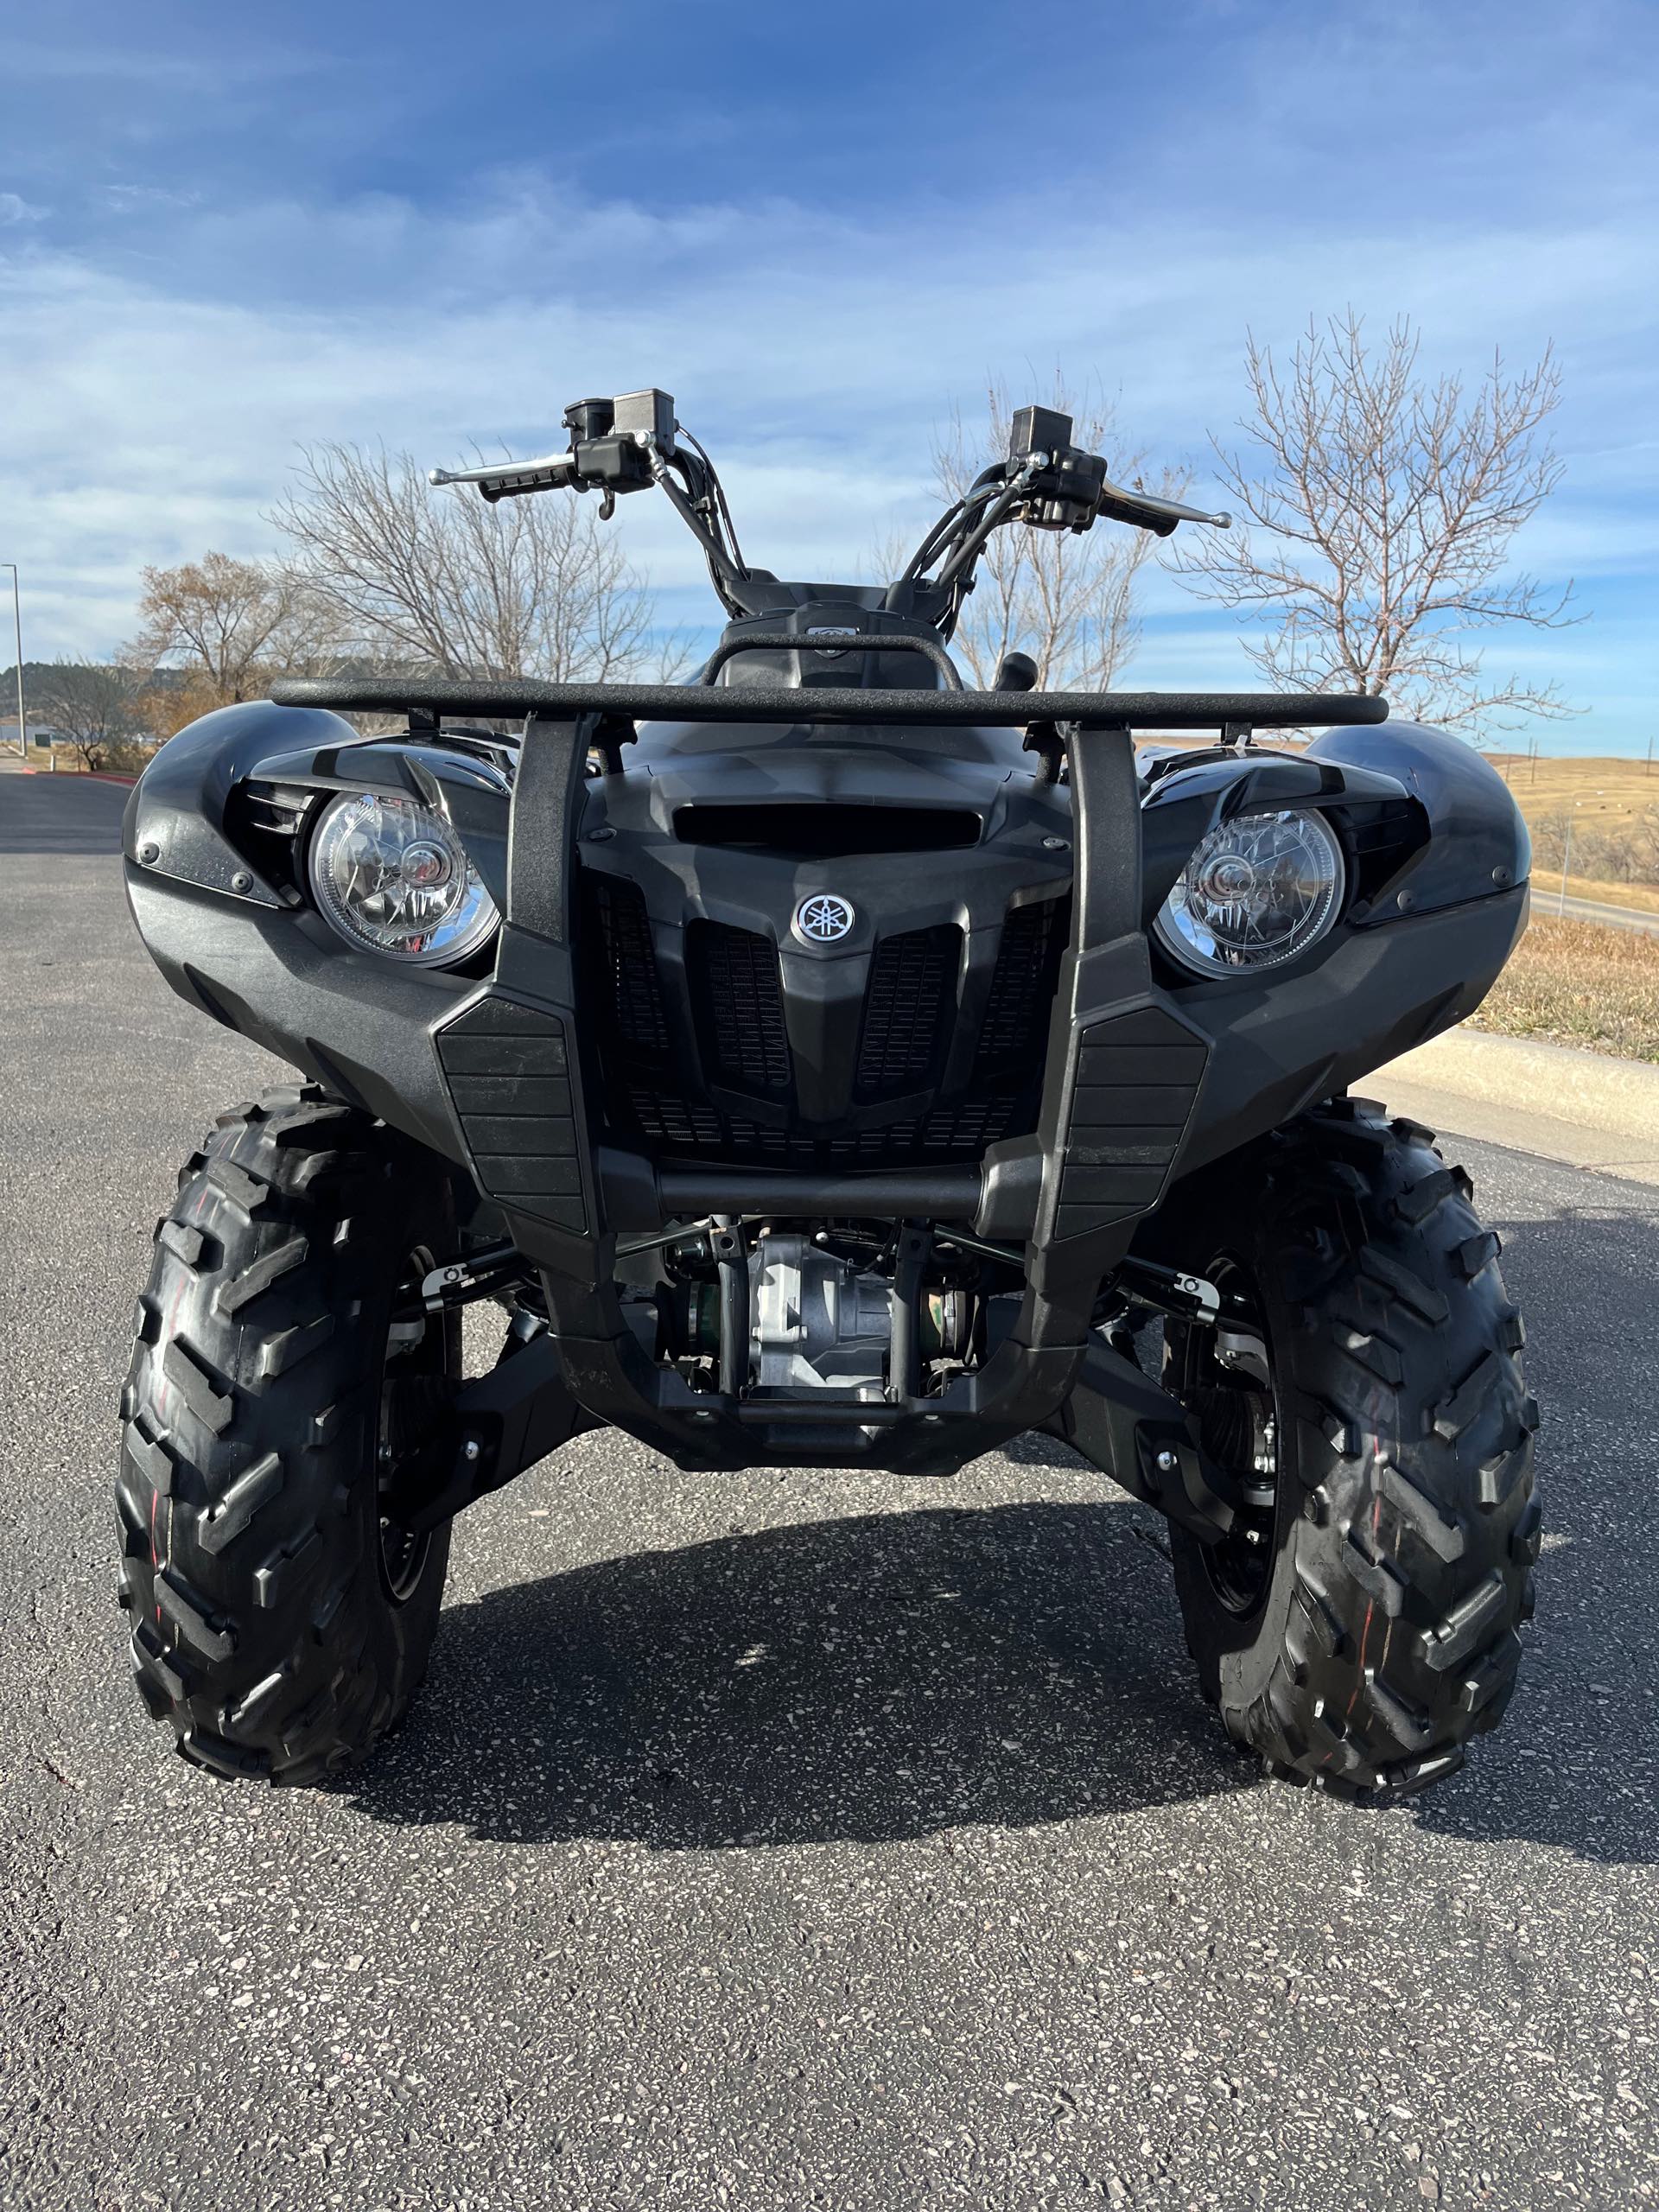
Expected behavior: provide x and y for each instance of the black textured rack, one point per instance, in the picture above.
(770, 702)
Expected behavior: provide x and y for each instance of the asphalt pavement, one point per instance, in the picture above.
(1595, 910)
(787, 1839)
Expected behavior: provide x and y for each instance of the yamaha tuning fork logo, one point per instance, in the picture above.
(824, 918)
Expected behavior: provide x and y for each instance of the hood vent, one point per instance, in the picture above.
(826, 828)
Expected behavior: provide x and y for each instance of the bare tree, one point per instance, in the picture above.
(1067, 600)
(96, 706)
(221, 620)
(1390, 504)
(446, 582)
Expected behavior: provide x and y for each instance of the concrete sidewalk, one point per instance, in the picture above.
(1586, 1108)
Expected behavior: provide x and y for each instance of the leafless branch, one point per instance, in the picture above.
(1392, 505)
(445, 581)
(220, 619)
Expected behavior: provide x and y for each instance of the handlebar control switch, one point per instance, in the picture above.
(616, 444)
(1062, 495)
(1065, 496)
(590, 419)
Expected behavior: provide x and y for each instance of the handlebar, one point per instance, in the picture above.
(511, 480)
(633, 442)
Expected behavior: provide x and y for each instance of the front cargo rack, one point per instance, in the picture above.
(780, 702)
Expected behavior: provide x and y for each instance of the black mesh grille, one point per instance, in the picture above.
(651, 1094)
(688, 1128)
(1022, 987)
(740, 1005)
(622, 963)
(911, 992)
(683, 1125)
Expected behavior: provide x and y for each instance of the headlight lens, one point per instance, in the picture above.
(1257, 890)
(393, 878)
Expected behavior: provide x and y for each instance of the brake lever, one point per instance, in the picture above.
(1147, 513)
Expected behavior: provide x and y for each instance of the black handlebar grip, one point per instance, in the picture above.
(519, 487)
(1130, 511)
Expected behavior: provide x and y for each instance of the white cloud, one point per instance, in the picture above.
(156, 404)
(136, 199)
(89, 59)
(14, 208)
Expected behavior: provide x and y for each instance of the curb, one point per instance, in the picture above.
(1591, 1089)
(1586, 1108)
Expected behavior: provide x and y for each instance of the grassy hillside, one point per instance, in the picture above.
(1579, 983)
(1602, 791)
(1613, 806)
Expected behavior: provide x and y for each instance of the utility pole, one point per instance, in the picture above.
(17, 632)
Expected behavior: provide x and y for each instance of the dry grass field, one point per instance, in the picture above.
(1607, 800)
(1579, 983)
(1602, 788)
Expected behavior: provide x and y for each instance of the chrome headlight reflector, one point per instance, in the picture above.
(1258, 891)
(392, 878)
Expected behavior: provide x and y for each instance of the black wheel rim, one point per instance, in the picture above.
(415, 1389)
(403, 1561)
(1237, 1410)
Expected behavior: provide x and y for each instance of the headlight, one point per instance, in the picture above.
(1257, 890)
(393, 878)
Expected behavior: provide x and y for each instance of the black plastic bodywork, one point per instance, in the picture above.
(1121, 1075)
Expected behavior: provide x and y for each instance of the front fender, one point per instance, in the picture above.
(174, 822)
(1478, 843)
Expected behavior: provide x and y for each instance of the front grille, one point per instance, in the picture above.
(911, 993)
(652, 1094)
(1022, 987)
(740, 1004)
(688, 1128)
(624, 966)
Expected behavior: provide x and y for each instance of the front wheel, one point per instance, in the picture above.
(281, 1617)
(1358, 1626)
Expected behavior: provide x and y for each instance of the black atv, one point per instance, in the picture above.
(824, 1064)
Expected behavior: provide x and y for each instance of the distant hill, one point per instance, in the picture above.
(39, 675)
(1602, 790)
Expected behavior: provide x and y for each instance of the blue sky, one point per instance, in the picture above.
(223, 233)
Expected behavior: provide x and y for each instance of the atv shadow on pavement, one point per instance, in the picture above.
(868, 1679)
(890, 1675)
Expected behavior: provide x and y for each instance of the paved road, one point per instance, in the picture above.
(789, 1841)
(1547, 902)
(60, 814)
